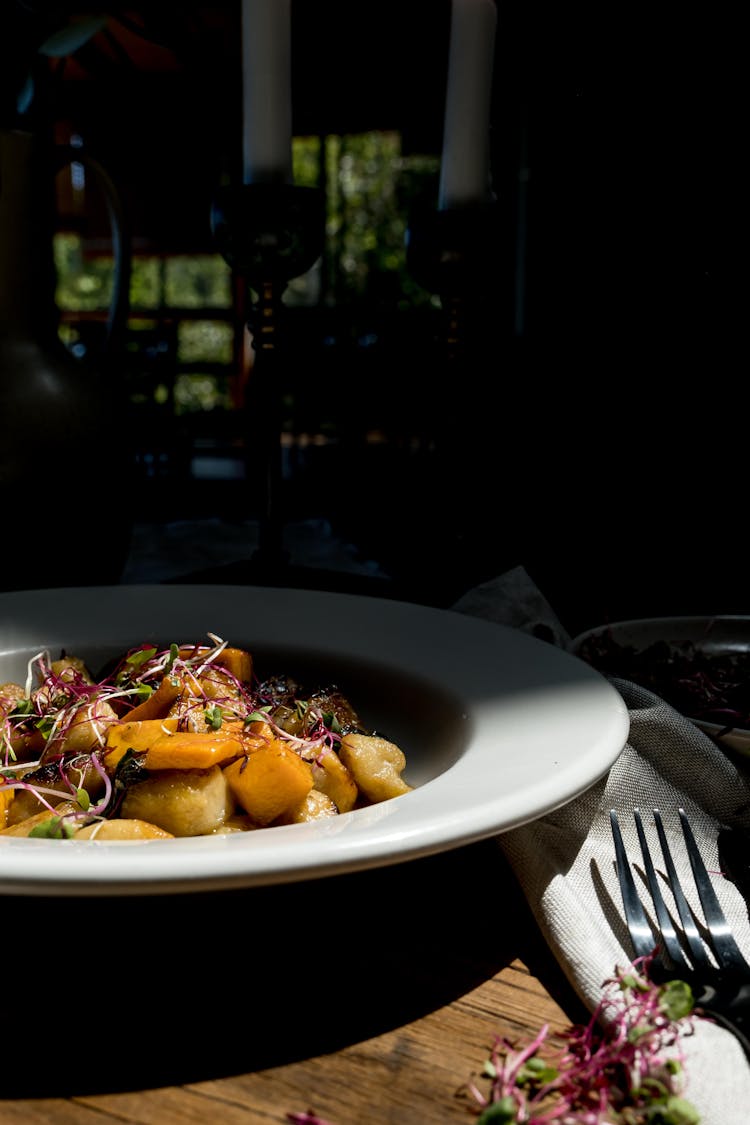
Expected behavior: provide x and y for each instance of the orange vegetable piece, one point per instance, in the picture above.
(235, 660)
(270, 781)
(158, 704)
(238, 662)
(136, 735)
(191, 750)
(255, 735)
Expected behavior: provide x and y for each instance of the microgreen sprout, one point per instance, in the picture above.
(6, 743)
(208, 657)
(331, 723)
(260, 715)
(41, 658)
(625, 1065)
(318, 739)
(214, 716)
(22, 709)
(56, 828)
(143, 663)
(140, 656)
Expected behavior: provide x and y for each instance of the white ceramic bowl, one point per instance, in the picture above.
(497, 727)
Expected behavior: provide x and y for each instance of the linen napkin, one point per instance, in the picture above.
(564, 861)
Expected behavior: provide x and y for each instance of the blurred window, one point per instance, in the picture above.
(371, 189)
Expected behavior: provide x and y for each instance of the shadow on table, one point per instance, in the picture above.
(131, 993)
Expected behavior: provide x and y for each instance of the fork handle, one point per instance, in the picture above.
(730, 1008)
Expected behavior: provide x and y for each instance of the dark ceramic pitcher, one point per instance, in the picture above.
(64, 460)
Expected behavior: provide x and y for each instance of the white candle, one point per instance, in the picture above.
(465, 161)
(266, 91)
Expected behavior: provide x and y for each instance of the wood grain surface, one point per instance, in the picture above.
(369, 998)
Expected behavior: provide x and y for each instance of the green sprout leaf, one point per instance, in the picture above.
(537, 1071)
(214, 716)
(259, 716)
(331, 722)
(502, 1112)
(53, 829)
(677, 1111)
(140, 657)
(45, 724)
(676, 999)
(635, 983)
(22, 708)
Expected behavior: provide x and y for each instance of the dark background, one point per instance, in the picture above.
(594, 429)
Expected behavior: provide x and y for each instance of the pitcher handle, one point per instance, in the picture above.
(120, 301)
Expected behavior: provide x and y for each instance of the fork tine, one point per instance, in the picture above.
(727, 951)
(722, 994)
(639, 927)
(669, 936)
(701, 960)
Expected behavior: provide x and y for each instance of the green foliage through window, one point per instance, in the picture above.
(371, 192)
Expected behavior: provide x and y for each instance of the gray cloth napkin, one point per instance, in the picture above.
(565, 861)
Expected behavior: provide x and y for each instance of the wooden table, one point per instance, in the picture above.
(370, 998)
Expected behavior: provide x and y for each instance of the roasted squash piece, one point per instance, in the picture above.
(188, 750)
(157, 705)
(238, 662)
(135, 735)
(235, 660)
(269, 781)
(255, 734)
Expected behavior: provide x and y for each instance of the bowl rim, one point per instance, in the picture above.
(737, 738)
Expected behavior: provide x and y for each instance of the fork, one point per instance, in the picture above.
(714, 966)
